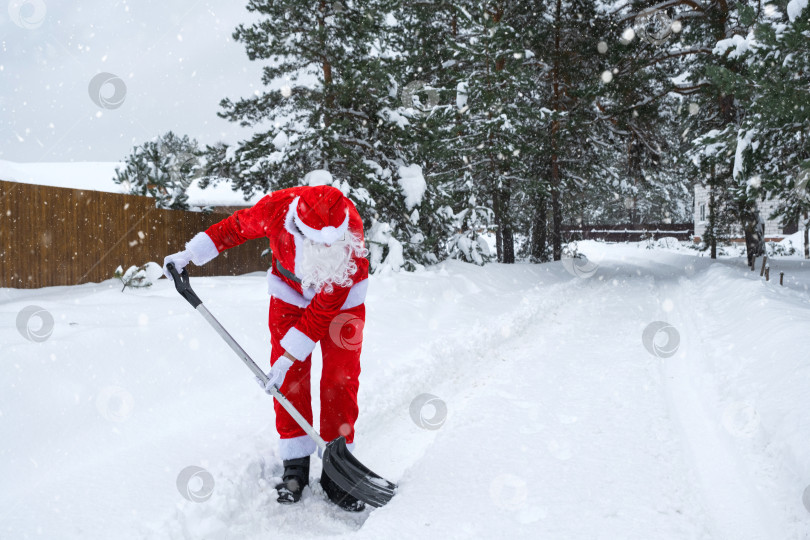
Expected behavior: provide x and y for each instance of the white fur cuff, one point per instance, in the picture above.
(297, 343)
(202, 249)
(357, 295)
(297, 447)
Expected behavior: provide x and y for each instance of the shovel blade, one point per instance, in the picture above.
(355, 478)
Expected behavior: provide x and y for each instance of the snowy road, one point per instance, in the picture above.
(560, 423)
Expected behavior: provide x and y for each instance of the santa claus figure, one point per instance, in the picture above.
(318, 281)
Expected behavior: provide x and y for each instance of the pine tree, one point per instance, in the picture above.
(485, 62)
(333, 104)
(563, 36)
(506, 116)
(715, 127)
(637, 129)
(773, 86)
(424, 71)
(163, 168)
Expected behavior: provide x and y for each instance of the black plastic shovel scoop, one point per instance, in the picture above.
(338, 463)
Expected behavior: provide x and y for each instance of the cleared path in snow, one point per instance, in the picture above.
(558, 428)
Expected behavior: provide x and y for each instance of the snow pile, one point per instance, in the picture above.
(794, 8)
(669, 242)
(394, 117)
(99, 176)
(474, 250)
(743, 141)
(139, 276)
(737, 42)
(413, 184)
(379, 237)
(318, 177)
(280, 141)
(795, 240)
(461, 96)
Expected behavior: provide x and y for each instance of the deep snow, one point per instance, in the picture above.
(560, 423)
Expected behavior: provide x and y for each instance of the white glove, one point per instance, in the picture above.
(180, 260)
(275, 377)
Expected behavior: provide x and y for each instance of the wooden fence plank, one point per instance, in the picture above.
(628, 232)
(57, 236)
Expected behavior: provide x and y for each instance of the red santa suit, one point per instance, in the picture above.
(300, 317)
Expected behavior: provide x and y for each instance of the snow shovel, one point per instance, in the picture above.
(338, 463)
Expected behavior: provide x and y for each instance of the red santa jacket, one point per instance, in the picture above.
(272, 217)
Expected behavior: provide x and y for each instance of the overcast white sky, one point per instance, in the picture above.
(176, 59)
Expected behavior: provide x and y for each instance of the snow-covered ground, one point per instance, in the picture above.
(562, 420)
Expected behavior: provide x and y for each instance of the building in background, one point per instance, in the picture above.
(775, 230)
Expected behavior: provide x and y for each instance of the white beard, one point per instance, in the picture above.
(322, 267)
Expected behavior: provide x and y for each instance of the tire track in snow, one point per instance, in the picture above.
(735, 506)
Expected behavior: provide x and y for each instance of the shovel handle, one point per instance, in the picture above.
(181, 283)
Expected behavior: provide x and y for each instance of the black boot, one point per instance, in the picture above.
(340, 497)
(296, 476)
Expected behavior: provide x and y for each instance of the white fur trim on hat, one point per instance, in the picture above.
(297, 447)
(202, 249)
(290, 227)
(327, 235)
(297, 343)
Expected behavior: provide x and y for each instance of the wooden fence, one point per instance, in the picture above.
(57, 236)
(628, 232)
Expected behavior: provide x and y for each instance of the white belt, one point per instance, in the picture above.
(278, 289)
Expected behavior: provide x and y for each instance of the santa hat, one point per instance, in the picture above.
(322, 214)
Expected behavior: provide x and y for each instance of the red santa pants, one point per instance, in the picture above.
(340, 348)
